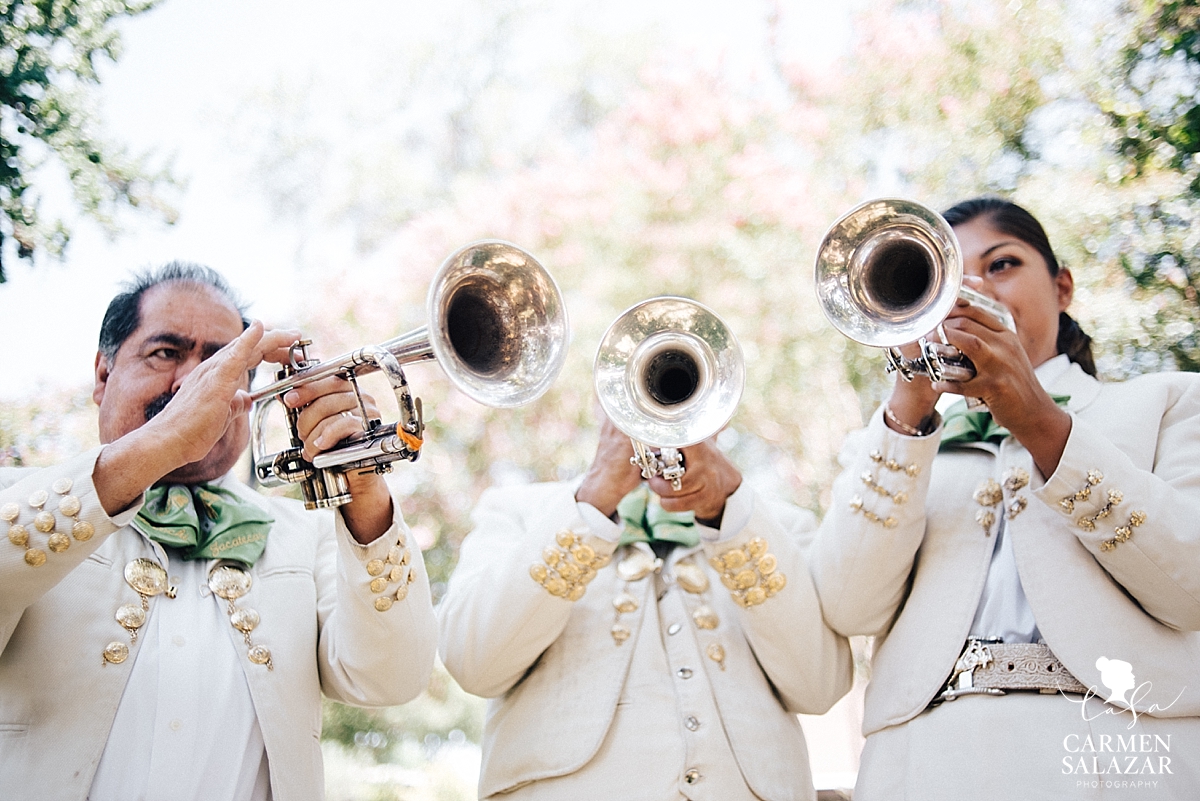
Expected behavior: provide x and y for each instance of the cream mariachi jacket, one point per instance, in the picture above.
(311, 587)
(555, 673)
(1107, 548)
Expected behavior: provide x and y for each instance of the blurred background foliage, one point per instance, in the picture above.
(631, 170)
(49, 53)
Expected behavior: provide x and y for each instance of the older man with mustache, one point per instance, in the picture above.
(166, 631)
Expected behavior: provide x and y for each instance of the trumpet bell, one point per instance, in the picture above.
(888, 272)
(497, 324)
(669, 372)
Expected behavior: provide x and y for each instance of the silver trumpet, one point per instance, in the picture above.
(888, 272)
(498, 328)
(669, 373)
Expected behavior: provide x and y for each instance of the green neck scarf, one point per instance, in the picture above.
(646, 521)
(961, 426)
(206, 522)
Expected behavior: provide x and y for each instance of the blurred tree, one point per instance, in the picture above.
(49, 50)
(1154, 108)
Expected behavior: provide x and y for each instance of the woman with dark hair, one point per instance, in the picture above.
(1003, 558)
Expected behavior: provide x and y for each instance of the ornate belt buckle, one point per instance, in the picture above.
(976, 654)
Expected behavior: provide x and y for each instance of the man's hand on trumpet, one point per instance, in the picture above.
(710, 479)
(329, 413)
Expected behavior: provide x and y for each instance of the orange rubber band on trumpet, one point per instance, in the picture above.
(411, 441)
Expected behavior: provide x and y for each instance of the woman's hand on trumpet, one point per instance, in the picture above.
(1006, 382)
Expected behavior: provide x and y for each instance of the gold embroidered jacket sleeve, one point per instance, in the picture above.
(863, 556)
(1128, 488)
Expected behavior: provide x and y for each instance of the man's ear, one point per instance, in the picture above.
(101, 371)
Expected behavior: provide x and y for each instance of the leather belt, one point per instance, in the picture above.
(991, 667)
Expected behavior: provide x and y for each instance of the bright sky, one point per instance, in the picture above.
(189, 64)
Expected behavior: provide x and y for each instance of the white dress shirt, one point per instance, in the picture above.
(166, 744)
(1003, 610)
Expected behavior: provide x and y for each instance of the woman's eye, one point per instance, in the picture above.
(1002, 264)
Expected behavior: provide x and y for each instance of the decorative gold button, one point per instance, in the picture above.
(70, 506)
(556, 587)
(18, 535)
(601, 562)
(401, 592)
(260, 655)
(226, 580)
(989, 493)
(767, 564)
(1016, 478)
(244, 620)
(587, 575)
(756, 547)
(620, 633)
(755, 596)
(44, 522)
(705, 618)
(551, 555)
(691, 577)
(383, 603)
(775, 583)
(35, 557)
(745, 579)
(565, 539)
(625, 603)
(131, 617)
(82, 530)
(637, 565)
(569, 570)
(147, 577)
(395, 555)
(375, 567)
(397, 573)
(576, 592)
(58, 542)
(38, 499)
(62, 486)
(716, 652)
(379, 584)
(538, 572)
(733, 560)
(116, 652)
(9, 512)
(584, 554)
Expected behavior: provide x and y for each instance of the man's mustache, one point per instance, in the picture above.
(158, 404)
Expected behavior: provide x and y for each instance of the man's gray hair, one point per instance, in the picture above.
(124, 311)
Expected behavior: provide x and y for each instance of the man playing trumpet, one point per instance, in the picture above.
(165, 631)
(641, 642)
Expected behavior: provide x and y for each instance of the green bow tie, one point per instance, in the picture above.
(227, 527)
(961, 425)
(646, 521)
